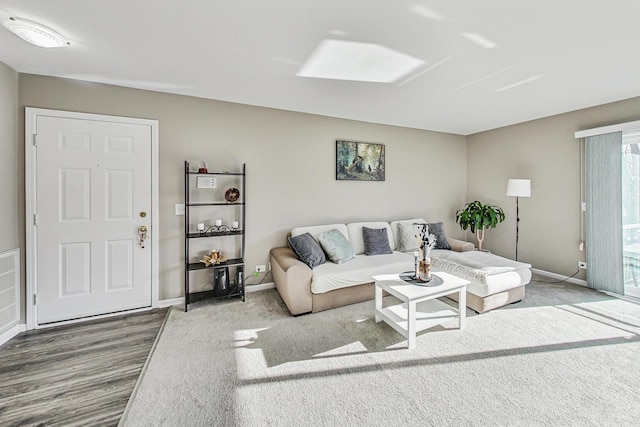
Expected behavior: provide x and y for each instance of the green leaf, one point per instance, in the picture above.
(475, 216)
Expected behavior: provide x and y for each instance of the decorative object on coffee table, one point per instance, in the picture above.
(410, 277)
(518, 188)
(426, 242)
(424, 273)
(478, 217)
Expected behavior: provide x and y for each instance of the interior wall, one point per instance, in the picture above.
(8, 160)
(290, 160)
(546, 152)
(10, 168)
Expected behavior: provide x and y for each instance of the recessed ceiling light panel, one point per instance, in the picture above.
(354, 61)
(34, 33)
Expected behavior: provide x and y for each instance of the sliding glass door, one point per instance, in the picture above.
(631, 212)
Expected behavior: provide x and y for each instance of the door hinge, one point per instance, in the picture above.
(35, 299)
(35, 139)
(35, 219)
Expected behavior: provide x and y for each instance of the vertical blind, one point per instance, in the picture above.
(603, 195)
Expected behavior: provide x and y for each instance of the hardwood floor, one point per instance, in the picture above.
(75, 375)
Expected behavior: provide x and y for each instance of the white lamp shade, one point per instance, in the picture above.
(519, 188)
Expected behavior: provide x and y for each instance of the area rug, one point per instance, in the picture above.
(566, 355)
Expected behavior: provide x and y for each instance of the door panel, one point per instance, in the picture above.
(119, 195)
(92, 177)
(74, 192)
(119, 266)
(75, 269)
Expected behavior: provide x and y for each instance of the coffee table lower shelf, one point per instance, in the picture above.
(428, 314)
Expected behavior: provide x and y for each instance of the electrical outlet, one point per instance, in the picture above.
(582, 265)
(261, 268)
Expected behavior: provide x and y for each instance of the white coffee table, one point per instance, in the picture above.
(419, 309)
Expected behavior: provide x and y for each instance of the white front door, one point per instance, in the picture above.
(92, 193)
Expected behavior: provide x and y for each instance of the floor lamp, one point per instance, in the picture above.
(518, 188)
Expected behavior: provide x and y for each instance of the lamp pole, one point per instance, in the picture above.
(518, 188)
(517, 225)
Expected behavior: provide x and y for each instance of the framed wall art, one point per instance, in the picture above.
(359, 161)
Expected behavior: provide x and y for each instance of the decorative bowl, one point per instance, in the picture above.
(232, 195)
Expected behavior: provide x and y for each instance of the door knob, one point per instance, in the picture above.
(142, 235)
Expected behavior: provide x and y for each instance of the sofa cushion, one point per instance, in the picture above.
(408, 243)
(307, 249)
(355, 234)
(330, 276)
(336, 246)
(437, 229)
(376, 241)
(488, 273)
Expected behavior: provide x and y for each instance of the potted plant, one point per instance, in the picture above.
(478, 217)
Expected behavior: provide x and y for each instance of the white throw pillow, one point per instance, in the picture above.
(407, 240)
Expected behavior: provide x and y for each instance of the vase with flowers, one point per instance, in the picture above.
(426, 242)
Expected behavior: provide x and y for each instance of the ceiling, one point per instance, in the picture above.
(527, 60)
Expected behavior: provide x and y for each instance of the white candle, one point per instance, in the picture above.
(234, 224)
(201, 226)
(218, 222)
(416, 254)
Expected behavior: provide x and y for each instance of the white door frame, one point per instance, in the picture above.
(31, 116)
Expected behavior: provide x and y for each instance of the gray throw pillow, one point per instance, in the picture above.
(307, 249)
(407, 240)
(376, 241)
(437, 229)
(336, 246)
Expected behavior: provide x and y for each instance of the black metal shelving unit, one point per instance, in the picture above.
(238, 289)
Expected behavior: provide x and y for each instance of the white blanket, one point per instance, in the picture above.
(473, 265)
(358, 270)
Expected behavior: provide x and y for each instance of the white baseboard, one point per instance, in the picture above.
(559, 277)
(260, 287)
(169, 302)
(250, 288)
(12, 332)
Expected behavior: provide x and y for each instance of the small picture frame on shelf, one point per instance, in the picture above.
(208, 182)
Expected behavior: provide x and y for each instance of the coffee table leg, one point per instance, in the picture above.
(411, 329)
(462, 306)
(378, 294)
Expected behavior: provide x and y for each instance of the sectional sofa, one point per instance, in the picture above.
(495, 281)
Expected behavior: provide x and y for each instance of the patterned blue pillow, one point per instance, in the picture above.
(336, 246)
